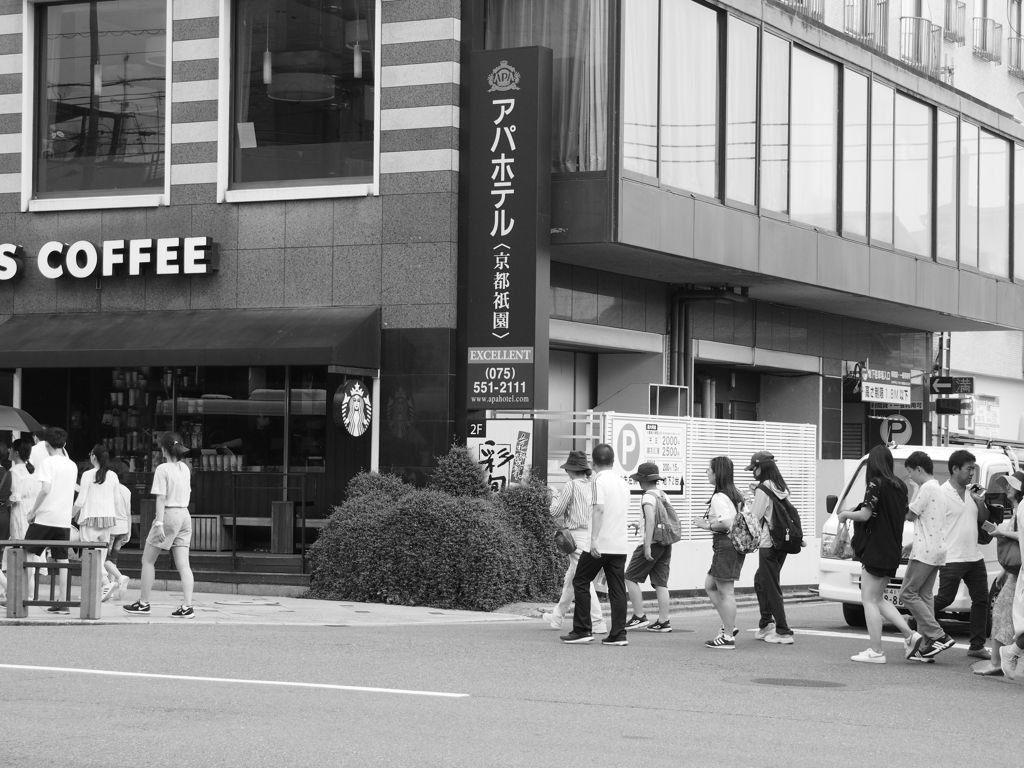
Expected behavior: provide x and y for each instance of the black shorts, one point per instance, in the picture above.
(880, 573)
(39, 532)
(640, 567)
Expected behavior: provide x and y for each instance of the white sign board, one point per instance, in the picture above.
(636, 441)
(505, 451)
(986, 416)
(874, 392)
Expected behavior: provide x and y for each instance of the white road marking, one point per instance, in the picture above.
(852, 636)
(116, 673)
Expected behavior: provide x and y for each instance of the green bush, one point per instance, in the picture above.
(458, 474)
(374, 482)
(527, 507)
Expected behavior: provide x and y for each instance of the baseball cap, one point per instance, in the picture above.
(761, 457)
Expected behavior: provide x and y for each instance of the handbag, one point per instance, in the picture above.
(564, 541)
(1008, 552)
(841, 548)
(745, 533)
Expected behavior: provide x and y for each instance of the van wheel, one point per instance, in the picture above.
(854, 615)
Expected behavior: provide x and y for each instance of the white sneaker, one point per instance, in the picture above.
(912, 644)
(761, 634)
(1009, 655)
(555, 622)
(122, 587)
(778, 639)
(108, 590)
(601, 629)
(870, 656)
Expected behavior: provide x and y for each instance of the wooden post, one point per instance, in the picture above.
(16, 583)
(147, 514)
(282, 527)
(92, 584)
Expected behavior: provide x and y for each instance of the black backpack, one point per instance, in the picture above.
(786, 531)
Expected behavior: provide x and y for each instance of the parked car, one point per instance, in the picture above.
(839, 580)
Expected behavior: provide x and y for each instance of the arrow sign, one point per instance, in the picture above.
(940, 385)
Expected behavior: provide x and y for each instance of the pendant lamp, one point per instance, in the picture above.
(355, 33)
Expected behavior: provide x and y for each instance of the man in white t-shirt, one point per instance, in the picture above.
(50, 517)
(609, 546)
(927, 554)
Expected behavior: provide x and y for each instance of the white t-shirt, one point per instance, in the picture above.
(961, 526)
(97, 499)
(173, 481)
(930, 525)
(722, 510)
(61, 473)
(612, 491)
(122, 510)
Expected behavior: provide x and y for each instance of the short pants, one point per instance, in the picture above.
(40, 532)
(640, 567)
(881, 573)
(726, 562)
(117, 541)
(177, 530)
(88, 533)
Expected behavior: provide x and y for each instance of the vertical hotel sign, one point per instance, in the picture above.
(509, 234)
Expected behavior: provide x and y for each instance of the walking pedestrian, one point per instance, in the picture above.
(609, 545)
(122, 529)
(96, 504)
(6, 489)
(573, 510)
(1002, 608)
(650, 559)
(172, 528)
(24, 487)
(1011, 653)
(926, 555)
(964, 503)
(772, 626)
(726, 562)
(878, 543)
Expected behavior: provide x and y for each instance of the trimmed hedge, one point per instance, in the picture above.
(527, 507)
(459, 474)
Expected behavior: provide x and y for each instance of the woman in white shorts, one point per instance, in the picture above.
(98, 493)
(172, 528)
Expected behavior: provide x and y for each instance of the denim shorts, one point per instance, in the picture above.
(640, 567)
(727, 562)
(177, 530)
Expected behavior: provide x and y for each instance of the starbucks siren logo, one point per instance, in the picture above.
(503, 78)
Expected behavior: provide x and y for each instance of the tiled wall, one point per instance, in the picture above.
(586, 295)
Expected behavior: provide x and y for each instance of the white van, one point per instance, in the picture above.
(839, 580)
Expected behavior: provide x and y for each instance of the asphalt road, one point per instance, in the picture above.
(532, 701)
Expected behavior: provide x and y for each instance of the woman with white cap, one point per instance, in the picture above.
(1011, 653)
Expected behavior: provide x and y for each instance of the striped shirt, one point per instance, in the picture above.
(574, 502)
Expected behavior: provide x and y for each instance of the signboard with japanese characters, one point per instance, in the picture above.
(509, 229)
(885, 387)
(636, 441)
(504, 450)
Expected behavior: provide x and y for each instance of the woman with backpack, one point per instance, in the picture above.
(878, 543)
(727, 562)
(771, 489)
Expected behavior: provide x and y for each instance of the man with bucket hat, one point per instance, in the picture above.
(650, 559)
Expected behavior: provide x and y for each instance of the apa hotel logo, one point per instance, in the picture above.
(503, 78)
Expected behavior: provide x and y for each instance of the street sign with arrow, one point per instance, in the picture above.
(951, 385)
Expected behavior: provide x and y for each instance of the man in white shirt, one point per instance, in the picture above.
(964, 561)
(609, 547)
(50, 517)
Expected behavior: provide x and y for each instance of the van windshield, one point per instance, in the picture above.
(995, 490)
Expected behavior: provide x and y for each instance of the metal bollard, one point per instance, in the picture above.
(16, 583)
(92, 584)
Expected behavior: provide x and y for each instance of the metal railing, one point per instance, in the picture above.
(868, 21)
(1013, 57)
(956, 22)
(812, 9)
(921, 44)
(988, 40)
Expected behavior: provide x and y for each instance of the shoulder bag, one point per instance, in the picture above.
(1008, 552)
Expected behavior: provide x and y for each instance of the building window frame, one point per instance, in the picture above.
(281, 190)
(29, 117)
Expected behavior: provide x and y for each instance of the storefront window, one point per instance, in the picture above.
(1018, 211)
(994, 205)
(815, 140)
(969, 194)
(774, 123)
(912, 177)
(855, 154)
(101, 110)
(577, 32)
(308, 419)
(945, 188)
(882, 130)
(689, 97)
(741, 112)
(640, 88)
(304, 92)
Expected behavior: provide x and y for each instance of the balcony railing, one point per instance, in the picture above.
(921, 44)
(868, 21)
(956, 22)
(988, 40)
(1013, 56)
(812, 9)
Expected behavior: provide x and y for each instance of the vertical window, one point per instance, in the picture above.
(1018, 211)
(101, 119)
(855, 154)
(815, 140)
(969, 194)
(945, 188)
(912, 176)
(882, 125)
(577, 32)
(774, 124)
(994, 205)
(304, 93)
(640, 88)
(689, 97)
(741, 112)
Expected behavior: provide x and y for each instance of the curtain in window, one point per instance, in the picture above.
(249, 13)
(640, 87)
(577, 33)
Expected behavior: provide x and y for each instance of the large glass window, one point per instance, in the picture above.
(689, 97)
(855, 154)
(969, 194)
(994, 205)
(774, 124)
(101, 119)
(912, 177)
(945, 188)
(640, 87)
(882, 127)
(577, 32)
(1018, 211)
(815, 96)
(305, 92)
(741, 112)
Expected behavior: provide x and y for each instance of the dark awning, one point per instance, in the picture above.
(345, 336)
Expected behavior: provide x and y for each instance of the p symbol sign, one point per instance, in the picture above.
(896, 430)
(627, 448)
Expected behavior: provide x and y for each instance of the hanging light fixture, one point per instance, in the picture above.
(97, 79)
(355, 32)
(268, 57)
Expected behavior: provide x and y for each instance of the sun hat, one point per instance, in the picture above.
(647, 471)
(1015, 481)
(759, 458)
(577, 462)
